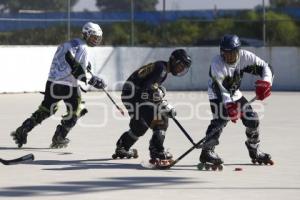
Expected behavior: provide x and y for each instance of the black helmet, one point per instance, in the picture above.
(229, 48)
(180, 62)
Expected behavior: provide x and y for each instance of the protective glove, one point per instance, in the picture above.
(168, 109)
(262, 90)
(97, 82)
(233, 111)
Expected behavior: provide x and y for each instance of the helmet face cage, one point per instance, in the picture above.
(94, 40)
(92, 34)
(230, 57)
(179, 62)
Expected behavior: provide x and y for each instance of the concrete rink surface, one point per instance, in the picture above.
(85, 170)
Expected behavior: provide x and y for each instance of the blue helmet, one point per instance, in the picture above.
(230, 49)
(230, 43)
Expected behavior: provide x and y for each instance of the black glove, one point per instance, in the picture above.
(97, 82)
(167, 109)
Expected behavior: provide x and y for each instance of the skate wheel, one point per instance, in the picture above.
(269, 162)
(114, 156)
(253, 161)
(220, 167)
(135, 153)
(260, 162)
(214, 167)
(200, 166)
(128, 157)
(207, 167)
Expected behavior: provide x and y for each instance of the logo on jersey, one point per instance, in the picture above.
(145, 70)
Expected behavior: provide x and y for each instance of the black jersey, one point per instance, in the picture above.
(148, 76)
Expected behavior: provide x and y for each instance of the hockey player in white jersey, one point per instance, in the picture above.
(228, 103)
(68, 66)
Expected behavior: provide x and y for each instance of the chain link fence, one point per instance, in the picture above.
(152, 28)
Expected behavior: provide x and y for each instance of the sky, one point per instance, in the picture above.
(185, 4)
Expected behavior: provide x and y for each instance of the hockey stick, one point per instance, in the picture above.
(187, 135)
(27, 157)
(199, 144)
(183, 130)
(120, 109)
(108, 95)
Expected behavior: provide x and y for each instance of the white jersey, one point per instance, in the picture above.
(225, 79)
(60, 71)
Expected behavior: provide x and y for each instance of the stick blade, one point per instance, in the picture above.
(28, 157)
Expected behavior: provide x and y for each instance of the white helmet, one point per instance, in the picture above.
(92, 33)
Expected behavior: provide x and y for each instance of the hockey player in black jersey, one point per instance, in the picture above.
(142, 95)
(228, 103)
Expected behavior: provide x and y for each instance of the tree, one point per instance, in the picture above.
(248, 20)
(14, 6)
(281, 30)
(284, 3)
(182, 32)
(125, 5)
(219, 27)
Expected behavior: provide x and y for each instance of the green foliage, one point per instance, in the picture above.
(281, 29)
(248, 20)
(14, 6)
(147, 35)
(125, 5)
(218, 28)
(50, 36)
(283, 3)
(116, 34)
(182, 32)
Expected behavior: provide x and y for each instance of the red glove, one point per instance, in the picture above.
(233, 111)
(262, 90)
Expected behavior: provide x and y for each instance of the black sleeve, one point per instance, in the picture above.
(256, 70)
(76, 68)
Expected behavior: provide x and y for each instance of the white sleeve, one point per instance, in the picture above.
(218, 77)
(257, 66)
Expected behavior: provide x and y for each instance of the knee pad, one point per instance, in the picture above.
(42, 113)
(138, 127)
(251, 120)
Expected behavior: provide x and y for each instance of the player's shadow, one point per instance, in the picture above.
(98, 185)
(61, 165)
